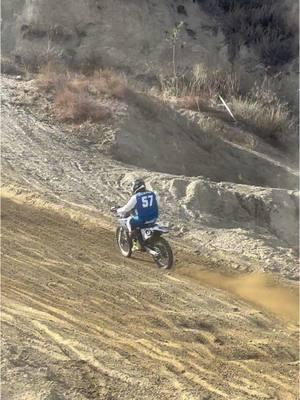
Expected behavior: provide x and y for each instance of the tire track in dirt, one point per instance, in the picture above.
(69, 166)
(96, 326)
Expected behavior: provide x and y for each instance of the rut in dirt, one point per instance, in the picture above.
(83, 322)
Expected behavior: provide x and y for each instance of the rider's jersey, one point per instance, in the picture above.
(146, 206)
(143, 204)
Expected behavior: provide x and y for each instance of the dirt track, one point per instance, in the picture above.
(80, 322)
(70, 166)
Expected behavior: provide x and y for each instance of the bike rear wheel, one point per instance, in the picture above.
(124, 242)
(164, 259)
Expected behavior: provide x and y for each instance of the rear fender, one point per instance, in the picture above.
(161, 229)
(153, 232)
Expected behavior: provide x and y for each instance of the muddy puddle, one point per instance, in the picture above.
(259, 289)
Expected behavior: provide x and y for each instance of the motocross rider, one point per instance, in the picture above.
(143, 208)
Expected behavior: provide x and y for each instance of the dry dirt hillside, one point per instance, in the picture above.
(80, 322)
(97, 93)
(133, 34)
(136, 36)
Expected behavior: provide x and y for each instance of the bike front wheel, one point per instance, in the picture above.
(124, 242)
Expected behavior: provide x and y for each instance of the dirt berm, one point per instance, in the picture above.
(152, 135)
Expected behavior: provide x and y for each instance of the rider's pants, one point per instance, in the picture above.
(136, 222)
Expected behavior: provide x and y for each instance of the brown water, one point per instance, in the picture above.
(257, 288)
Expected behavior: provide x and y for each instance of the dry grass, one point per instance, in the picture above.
(109, 83)
(52, 76)
(78, 97)
(104, 82)
(78, 107)
(260, 110)
(265, 115)
(201, 83)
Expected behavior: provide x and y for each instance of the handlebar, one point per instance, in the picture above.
(114, 210)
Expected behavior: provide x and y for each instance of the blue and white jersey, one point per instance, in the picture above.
(144, 205)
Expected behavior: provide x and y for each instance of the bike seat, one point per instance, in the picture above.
(147, 225)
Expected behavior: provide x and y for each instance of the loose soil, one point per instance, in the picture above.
(81, 322)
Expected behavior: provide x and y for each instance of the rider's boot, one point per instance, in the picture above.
(140, 240)
(133, 237)
(137, 239)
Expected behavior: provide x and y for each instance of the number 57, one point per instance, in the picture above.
(147, 201)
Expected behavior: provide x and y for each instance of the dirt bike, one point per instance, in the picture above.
(147, 239)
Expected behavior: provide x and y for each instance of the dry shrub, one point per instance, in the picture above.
(77, 96)
(102, 82)
(109, 83)
(33, 58)
(189, 103)
(260, 110)
(201, 82)
(78, 107)
(265, 114)
(194, 103)
(52, 76)
(78, 84)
